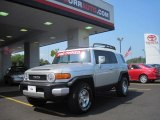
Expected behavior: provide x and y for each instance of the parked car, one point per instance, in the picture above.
(14, 74)
(156, 65)
(143, 73)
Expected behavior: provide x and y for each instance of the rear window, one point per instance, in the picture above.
(134, 67)
(17, 69)
(120, 58)
(148, 66)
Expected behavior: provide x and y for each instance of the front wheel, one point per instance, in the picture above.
(36, 102)
(122, 87)
(143, 79)
(80, 98)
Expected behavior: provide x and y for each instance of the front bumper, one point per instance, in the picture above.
(49, 91)
(17, 81)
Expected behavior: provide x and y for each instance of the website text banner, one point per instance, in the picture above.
(96, 12)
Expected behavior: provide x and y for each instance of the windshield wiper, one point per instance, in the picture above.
(75, 62)
(63, 62)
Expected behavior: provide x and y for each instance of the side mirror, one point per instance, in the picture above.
(101, 59)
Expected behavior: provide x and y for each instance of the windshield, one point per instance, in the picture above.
(75, 56)
(17, 69)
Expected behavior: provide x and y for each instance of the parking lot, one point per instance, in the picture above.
(141, 104)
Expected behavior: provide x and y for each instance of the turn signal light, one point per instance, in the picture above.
(59, 76)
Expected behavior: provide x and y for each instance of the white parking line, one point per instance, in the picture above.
(139, 89)
(147, 84)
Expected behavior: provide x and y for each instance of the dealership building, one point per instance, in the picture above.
(27, 25)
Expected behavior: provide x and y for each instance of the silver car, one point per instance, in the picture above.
(75, 76)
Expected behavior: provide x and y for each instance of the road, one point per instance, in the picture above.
(142, 103)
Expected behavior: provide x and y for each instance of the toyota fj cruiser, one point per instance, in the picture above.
(76, 75)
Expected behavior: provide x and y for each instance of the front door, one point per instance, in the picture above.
(105, 73)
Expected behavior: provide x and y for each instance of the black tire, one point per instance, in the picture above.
(143, 79)
(122, 87)
(36, 102)
(81, 98)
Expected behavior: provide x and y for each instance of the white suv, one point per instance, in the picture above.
(76, 75)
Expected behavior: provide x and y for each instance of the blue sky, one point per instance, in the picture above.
(133, 18)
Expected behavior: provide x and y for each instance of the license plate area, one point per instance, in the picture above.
(31, 88)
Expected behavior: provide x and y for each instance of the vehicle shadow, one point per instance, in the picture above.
(155, 82)
(102, 103)
(11, 94)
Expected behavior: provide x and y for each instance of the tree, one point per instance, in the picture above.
(43, 62)
(136, 60)
(17, 60)
(54, 52)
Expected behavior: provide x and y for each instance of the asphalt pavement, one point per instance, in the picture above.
(142, 103)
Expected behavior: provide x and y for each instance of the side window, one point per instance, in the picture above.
(112, 57)
(109, 56)
(101, 53)
(135, 67)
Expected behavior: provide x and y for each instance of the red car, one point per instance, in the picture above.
(143, 73)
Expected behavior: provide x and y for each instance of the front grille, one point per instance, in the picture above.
(37, 77)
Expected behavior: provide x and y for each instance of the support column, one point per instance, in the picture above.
(1, 66)
(78, 38)
(31, 54)
(5, 62)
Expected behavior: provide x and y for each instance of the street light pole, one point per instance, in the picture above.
(120, 40)
(144, 55)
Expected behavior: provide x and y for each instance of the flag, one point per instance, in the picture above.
(128, 52)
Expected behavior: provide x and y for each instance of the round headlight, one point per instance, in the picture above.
(51, 77)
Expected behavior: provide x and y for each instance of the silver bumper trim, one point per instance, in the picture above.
(33, 94)
(60, 91)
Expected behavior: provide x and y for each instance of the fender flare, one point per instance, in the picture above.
(79, 78)
(124, 73)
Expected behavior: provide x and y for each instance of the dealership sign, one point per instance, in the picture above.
(152, 39)
(152, 49)
(65, 53)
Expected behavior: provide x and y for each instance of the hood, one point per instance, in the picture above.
(63, 67)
